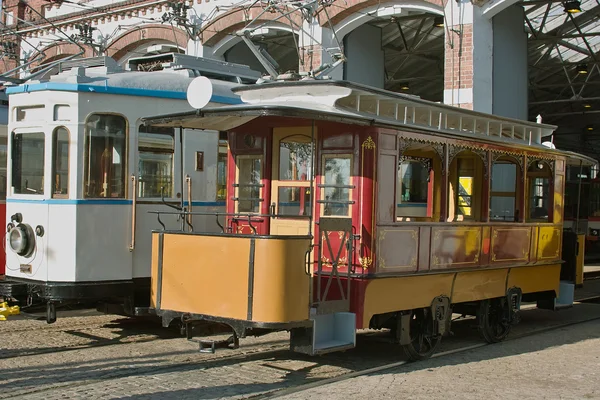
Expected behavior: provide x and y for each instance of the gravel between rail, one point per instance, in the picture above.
(172, 367)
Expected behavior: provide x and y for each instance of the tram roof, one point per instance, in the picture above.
(352, 103)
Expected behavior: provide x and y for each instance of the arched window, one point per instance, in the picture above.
(539, 191)
(503, 190)
(105, 160)
(60, 162)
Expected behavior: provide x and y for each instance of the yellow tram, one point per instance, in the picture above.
(350, 207)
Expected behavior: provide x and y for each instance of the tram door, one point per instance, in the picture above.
(291, 181)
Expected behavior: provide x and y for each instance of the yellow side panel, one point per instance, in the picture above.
(281, 285)
(206, 275)
(549, 240)
(154, 270)
(479, 285)
(404, 293)
(535, 279)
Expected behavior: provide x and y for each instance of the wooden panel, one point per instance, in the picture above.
(281, 285)
(549, 241)
(479, 285)
(386, 188)
(510, 244)
(206, 275)
(535, 279)
(397, 249)
(387, 141)
(558, 199)
(154, 270)
(424, 250)
(455, 247)
(409, 292)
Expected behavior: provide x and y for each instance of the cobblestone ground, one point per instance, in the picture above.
(142, 360)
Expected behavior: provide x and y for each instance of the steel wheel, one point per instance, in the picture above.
(423, 342)
(492, 322)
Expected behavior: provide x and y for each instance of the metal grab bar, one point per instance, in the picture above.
(133, 211)
(189, 216)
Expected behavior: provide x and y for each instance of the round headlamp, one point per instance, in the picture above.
(21, 240)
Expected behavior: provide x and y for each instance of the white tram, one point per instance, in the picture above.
(83, 174)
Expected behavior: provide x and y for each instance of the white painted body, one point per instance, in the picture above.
(88, 240)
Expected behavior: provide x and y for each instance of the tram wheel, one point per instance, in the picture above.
(491, 320)
(423, 341)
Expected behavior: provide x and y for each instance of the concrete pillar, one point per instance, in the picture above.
(510, 84)
(468, 59)
(365, 56)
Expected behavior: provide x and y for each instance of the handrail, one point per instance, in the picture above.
(188, 180)
(133, 211)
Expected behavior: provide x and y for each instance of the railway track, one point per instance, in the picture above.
(388, 366)
(251, 364)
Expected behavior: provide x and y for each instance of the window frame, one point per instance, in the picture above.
(322, 185)
(222, 143)
(430, 186)
(10, 156)
(550, 178)
(516, 194)
(127, 191)
(171, 195)
(261, 185)
(54, 148)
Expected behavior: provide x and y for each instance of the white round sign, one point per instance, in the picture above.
(199, 92)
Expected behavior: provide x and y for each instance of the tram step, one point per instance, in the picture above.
(330, 333)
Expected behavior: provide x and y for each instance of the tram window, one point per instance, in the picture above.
(249, 183)
(594, 210)
(538, 176)
(295, 153)
(156, 147)
(503, 195)
(60, 162)
(412, 189)
(293, 201)
(105, 159)
(222, 171)
(335, 196)
(3, 161)
(28, 163)
(466, 187)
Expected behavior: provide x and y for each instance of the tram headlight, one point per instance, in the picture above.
(21, 240)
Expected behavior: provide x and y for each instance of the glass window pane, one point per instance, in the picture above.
(293, 201)
(336, 197)
(539, 198)
(249, 176)
(156, 174)
(105, 161)
(465, 193)
(222, 171)
(28, 163)
(295, 158)
(503, 193)
(155, 164)
(504, 177)
(3, 161)
(60, 160)
(413, 187)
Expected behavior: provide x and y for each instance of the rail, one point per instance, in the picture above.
(133, 212)
(234, 217)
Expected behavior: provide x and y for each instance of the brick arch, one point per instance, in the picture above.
(338, 11)
(135, 37)
(57, 51)
(233, 20)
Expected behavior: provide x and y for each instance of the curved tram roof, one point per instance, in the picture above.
(362, 105)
